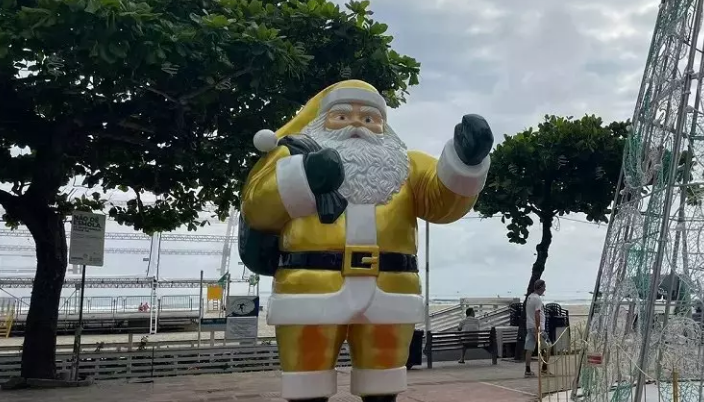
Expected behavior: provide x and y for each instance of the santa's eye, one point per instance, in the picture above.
(340, 117)
(369, 120)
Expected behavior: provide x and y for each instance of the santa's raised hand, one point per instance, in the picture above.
(473, 139)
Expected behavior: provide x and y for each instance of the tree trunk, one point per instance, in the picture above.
(39, 351)
(536, 272)
(542, 251)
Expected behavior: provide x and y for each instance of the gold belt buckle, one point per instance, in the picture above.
(361, 261)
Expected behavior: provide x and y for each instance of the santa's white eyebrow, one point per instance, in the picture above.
(371, 110)
(341, 108)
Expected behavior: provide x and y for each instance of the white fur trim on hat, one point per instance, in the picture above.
(353, 95)
(265, 140)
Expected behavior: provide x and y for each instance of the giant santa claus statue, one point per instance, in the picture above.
(330, 211)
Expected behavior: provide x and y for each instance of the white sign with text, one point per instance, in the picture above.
(87, 245)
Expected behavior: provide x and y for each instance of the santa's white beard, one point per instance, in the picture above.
(376, 166)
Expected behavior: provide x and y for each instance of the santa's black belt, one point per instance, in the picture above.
(359, 261)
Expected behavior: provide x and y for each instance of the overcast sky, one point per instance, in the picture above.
(511, 61)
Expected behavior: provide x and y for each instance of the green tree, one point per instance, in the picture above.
(158, 96)
(565, 166)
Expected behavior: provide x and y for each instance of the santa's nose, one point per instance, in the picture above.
(356, 121)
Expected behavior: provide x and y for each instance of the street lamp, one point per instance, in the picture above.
(427, 277)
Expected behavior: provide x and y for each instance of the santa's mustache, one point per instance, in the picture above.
(355, 132)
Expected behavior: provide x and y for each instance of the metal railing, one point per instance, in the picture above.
(210, 339)
(498, 318)
(448, 318)
(151, 362)
(111, 305)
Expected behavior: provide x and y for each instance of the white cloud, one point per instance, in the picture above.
(513, 62)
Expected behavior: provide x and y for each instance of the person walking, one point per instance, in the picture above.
(535, 327)
(469, 324)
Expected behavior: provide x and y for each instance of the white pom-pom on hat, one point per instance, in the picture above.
(265, 140)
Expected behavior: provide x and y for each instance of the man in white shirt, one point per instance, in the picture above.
(535, 326)
(469, 324)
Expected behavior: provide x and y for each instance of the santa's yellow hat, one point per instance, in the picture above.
(350, 91)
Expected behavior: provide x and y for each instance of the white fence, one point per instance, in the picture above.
(7, 305)
(154, 362)
(132, 342)
(113, 304)
(448, 318)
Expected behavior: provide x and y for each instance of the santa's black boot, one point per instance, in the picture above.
(379, 398)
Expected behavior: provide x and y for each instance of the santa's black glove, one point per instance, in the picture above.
(324, 170)
(473, 139)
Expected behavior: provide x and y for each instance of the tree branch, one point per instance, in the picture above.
(18, 187)
(98, 121)
(49, 167)
(11, 203)
(123, 137)
(16, 112)
(185, 98)
(165, 95)
(135, 126)
(534, 209)
(7, 199)
(140, 204)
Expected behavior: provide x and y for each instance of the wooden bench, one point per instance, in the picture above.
(506, 336)
(438, 342)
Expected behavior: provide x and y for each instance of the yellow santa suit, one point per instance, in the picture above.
(374, 306)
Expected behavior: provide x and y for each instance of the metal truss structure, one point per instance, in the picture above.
(118, 283)
(125, 250)
(653, 247)
(138, 236)
(153, 279)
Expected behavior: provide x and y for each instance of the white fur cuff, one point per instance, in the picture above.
(308, 384)
(459, 178)
(296, 195)
(378, 382)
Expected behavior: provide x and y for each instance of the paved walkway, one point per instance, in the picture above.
(476, 381)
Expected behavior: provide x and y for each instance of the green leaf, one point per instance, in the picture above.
(32, 10)
(378, 29)
(216, 21)
(255, 7)
(117, 50)
(105, 55)
(92, 6)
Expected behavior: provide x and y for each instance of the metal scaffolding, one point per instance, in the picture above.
(125, 250)
(652, 251)
(137, 236)
(117, 283)
(153, 278)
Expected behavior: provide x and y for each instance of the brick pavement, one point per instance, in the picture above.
(474, 382)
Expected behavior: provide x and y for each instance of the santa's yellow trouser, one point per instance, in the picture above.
(308, 354)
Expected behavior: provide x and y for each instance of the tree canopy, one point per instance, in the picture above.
(564, 166)
(160, 97)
